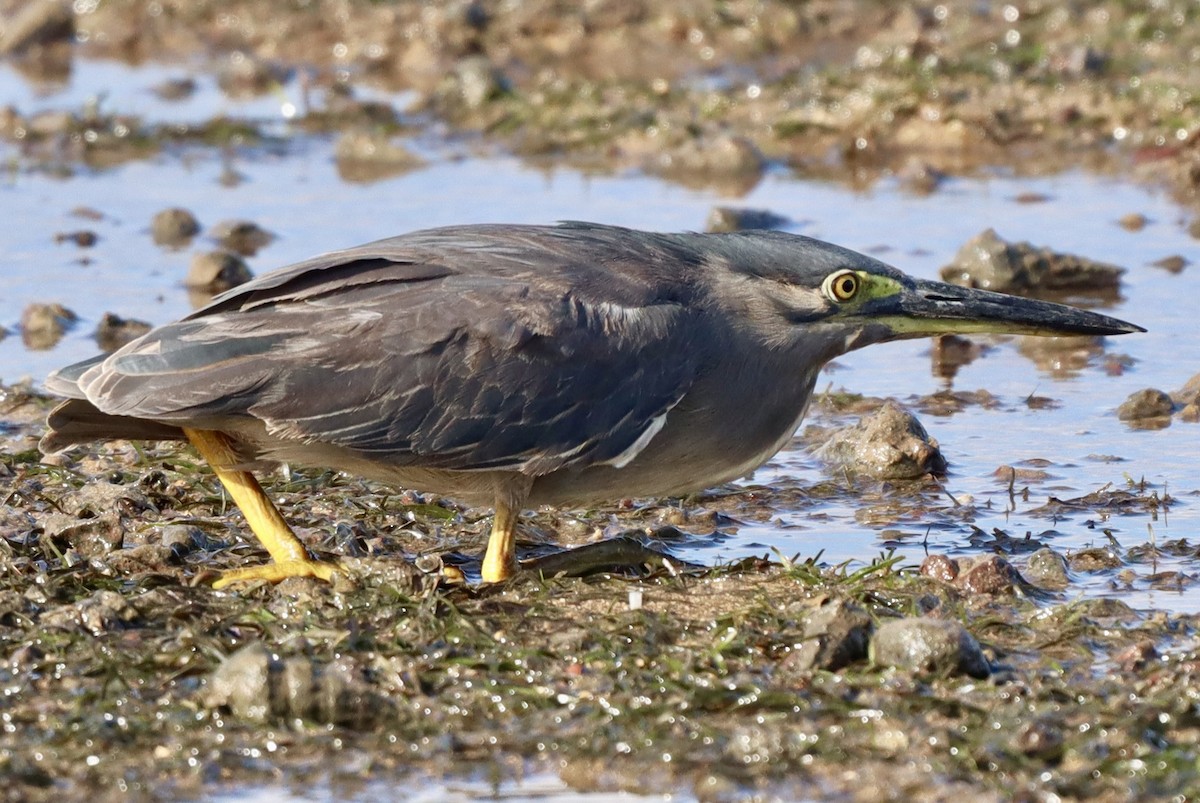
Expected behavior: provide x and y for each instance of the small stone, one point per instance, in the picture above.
(1146, 404)
(217, 271)
(242, 237)
(242, 682)
(1172, 264)
(920, 177)
(174, 227)
(1047, 569)
(940, 567)
(478, 81)
(82, 238)
(175, 89)
(1041, 739)
(186, 538)
(1136, 657)
(1096, 559)
(242, 75)
(1134, 221)
(887, 444)
(1189, 393)
(989, 262)
(730, 164)
(929, 647)
(728, 218)
(365, 157)
(40, 22)
(990, 574)
(1194, 228)
(835, 635)
(113, 331)
(43, 325)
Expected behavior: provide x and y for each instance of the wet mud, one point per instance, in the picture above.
(993, 669)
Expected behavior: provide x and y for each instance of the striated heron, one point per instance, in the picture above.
(517, 365)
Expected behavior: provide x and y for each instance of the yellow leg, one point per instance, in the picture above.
(290, 558)
(500, 561)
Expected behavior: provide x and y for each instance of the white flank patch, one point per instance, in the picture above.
(635, 448)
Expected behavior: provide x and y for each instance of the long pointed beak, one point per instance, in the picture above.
(934, 308)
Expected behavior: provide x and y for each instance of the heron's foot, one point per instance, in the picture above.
(277, 571)
(499, 567)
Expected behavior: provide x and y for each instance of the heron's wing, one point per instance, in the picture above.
(437, 363)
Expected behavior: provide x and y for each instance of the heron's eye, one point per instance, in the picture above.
(841, 286)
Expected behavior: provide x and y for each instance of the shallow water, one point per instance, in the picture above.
(295, 192)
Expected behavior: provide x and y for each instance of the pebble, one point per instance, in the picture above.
(174, 227)
(928, 646)
(242, 237)
(40, 22)
(729, 218)
(1134, 221)
(889, 443)
(217, 271)
(1145, 404)
(989, 262)
(113, 331)
(835, 635)
(43, 325)
(1047, 569)
(82, 238)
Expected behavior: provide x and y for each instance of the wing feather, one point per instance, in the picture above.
(467, 349)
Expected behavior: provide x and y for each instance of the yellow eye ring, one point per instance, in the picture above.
(841, 286)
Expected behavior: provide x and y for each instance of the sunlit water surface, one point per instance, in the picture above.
(296, 193)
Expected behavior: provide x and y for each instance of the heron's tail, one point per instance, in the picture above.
(78, 421)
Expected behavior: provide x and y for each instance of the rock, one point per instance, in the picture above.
(364, 157)
(478, 81)
(242, 683)
(991, 263)
(113, 331)
(1190, 412)
(728, 218)
(217, 271)
(889, 443)
(989, 574)
(731, 164)
(1136, 657)
(43, 325)
(174, 227)
(258, 686)
(1189, 393)
(940, 567)
(242, 237)
(40, 22)
(929, 647)
(82, 238)
(173, 89)
(1172, 264)
(1047, 569)
(1134, 221)
(98, 614)
(919, 177)
(1095, 559)
(1144, 404)
(835, 635)
(1041, 739)
(186, 538)
(242, 75)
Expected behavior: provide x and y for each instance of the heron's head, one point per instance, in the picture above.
(794, 289)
